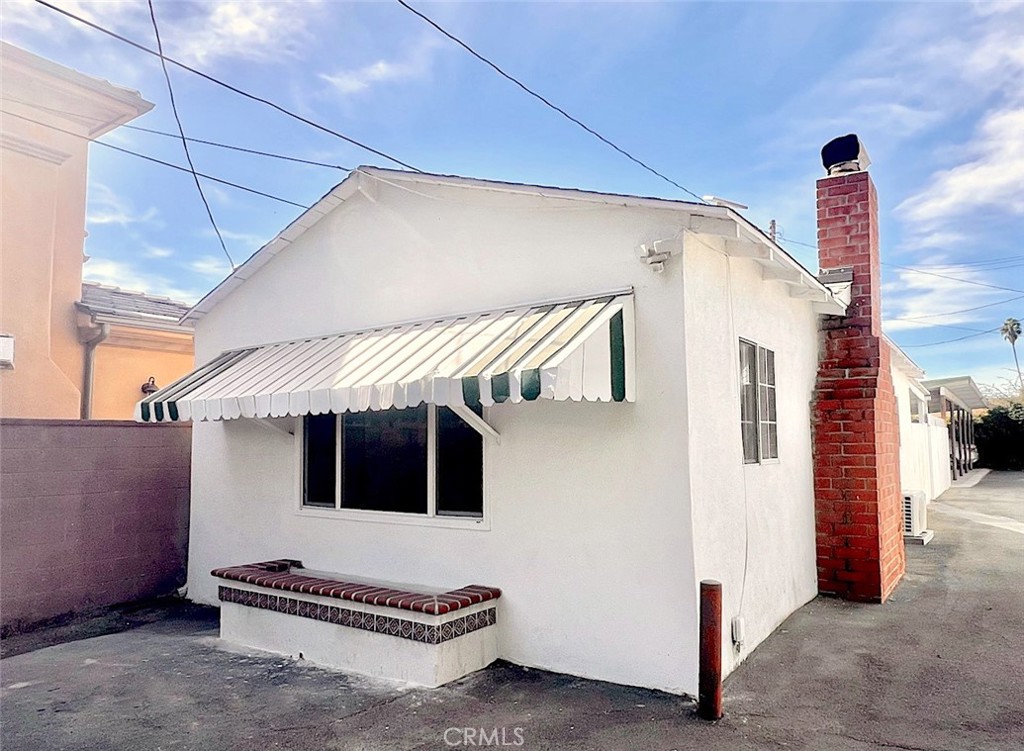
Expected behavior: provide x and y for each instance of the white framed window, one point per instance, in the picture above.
(420, 462)
(759, 426)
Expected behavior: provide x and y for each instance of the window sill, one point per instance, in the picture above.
(477, 524)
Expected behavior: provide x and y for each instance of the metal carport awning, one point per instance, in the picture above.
(579, 350)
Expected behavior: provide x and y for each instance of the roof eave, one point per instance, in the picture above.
(783, 266)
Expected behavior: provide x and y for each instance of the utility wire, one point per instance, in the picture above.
(257, 152)
(155, 132)
(886, 319)
(184, 141)
(964, 310)
(229, 87)
(916, 270)
(984, 262)
(947, 276)
(950, 341)
(494, 66)
(155, 160)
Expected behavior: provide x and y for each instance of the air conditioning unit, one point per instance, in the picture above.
(6, 351)
(915, 518)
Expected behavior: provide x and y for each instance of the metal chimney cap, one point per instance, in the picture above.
(844, 154)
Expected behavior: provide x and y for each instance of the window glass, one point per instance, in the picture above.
(320, 456)
(766, 396)
(748, 401)
(460, 466)
(384, 460)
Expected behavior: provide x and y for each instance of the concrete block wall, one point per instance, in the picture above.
(92, 513)
(858, 498)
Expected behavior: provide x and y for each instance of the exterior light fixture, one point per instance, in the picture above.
(150, 387)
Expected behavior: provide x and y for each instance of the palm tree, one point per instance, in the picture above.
(1011, 331)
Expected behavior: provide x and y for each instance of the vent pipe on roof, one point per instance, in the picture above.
(844, 154)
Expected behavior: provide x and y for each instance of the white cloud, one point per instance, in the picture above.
(234, 29)
(127, 276)
(925, 66)
(991, 176)
(153, 251)
(215, 267)
(194, 32)
(106, 207)
(416, 64)
(248, 239)
(915, 299)
(939, 239)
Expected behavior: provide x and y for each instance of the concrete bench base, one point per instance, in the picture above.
(380, 641)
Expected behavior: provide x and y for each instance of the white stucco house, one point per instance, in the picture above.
(441, 420)
(924, 438)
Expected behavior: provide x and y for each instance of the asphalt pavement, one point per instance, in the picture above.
(940, 667)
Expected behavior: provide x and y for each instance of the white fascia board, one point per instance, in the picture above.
(92, 102)
(902, 360)
(144, 322)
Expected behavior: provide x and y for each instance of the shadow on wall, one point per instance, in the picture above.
(999, 437)
(92, 513)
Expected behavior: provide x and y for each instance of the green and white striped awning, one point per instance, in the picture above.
(581, 350)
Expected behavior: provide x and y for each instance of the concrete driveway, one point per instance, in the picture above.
(938, 668)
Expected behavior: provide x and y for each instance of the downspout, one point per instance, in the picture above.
(90, 368)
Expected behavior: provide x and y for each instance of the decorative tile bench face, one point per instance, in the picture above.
(403, 628)
(279, 574)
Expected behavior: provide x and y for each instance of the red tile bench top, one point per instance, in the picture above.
(278, 574)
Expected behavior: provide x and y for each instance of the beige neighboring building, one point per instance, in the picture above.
(133, 338)
(42, 226)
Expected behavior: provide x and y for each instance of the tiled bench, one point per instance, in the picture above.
(422, 637)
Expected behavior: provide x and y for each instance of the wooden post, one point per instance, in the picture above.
(970, 440)
(709, 697)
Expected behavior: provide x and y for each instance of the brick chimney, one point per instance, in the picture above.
(858, 501)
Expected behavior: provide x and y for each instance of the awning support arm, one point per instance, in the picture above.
(272, 425)
(475, 421)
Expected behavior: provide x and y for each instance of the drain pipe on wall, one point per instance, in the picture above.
(90, 368)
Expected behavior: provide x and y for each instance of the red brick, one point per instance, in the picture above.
(856, 437)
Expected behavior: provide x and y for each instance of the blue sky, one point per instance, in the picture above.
(730, 99)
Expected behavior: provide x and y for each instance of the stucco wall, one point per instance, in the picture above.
(586, 503)
(42, 229)
(127, 360)
(924, 447)
(754, 523)
(588, 510)
(91, 514)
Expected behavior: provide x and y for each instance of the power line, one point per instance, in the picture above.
(964, 310)
(228, 86)
(796, 242)
(184, 141)
(950, 341)
(987, 262)
(155, 160)
(257, 152)
(542, 99)
(916, 270)
(947, 276)
(885, 319)
(153, 131)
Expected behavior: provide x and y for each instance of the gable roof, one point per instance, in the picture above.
(365, 180)
(117, 305)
